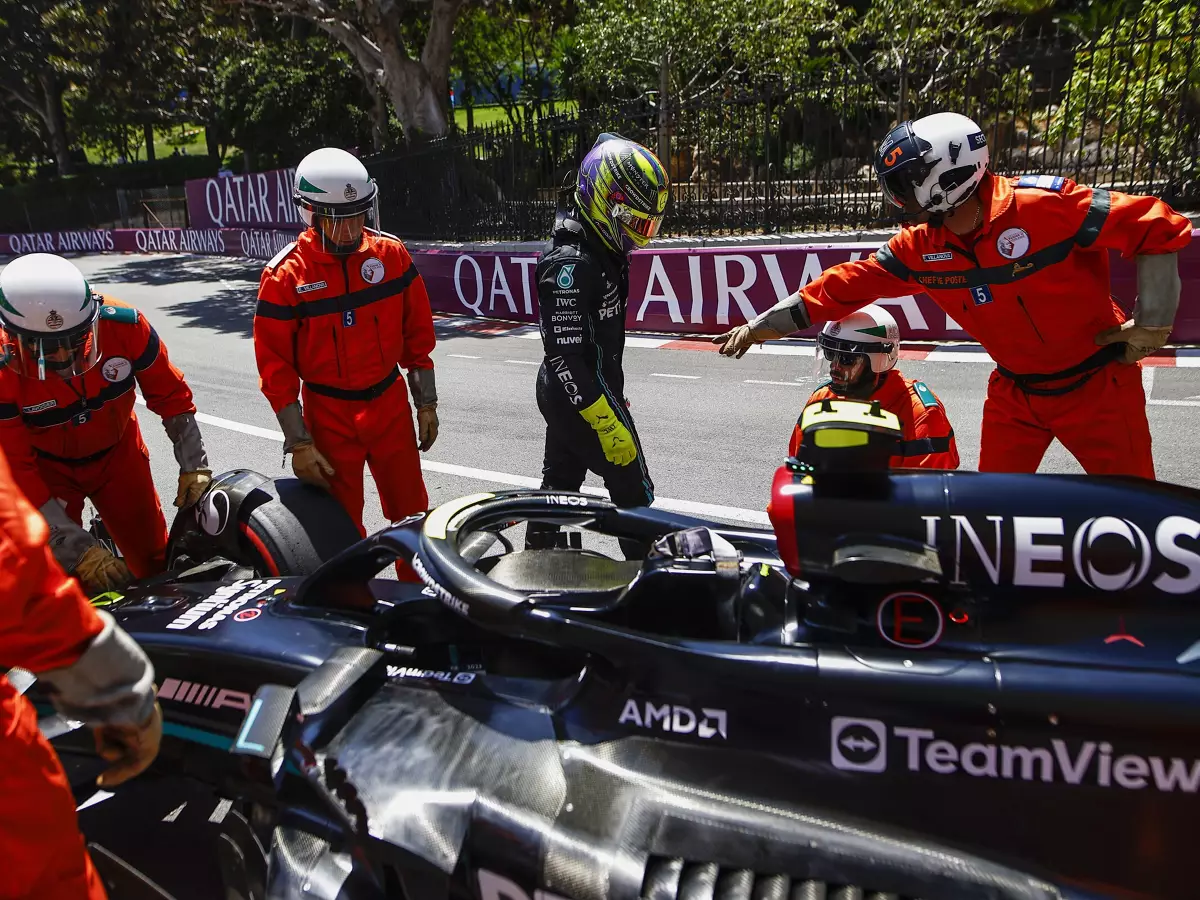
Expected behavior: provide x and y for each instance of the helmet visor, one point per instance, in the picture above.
(845, 365)
(639, 226)
(900, 164)
(64, 356)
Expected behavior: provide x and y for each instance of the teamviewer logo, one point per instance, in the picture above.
(858, 745)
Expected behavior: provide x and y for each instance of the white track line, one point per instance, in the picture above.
(689, 507)
(462, 356)
(780, 383)
(524, 362)
(1148, 379)
(669, 375)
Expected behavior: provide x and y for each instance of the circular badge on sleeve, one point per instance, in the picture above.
(118, 368)
(1013, 243)
(372, 271)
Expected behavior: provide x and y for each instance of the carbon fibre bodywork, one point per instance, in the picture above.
(1019, 721)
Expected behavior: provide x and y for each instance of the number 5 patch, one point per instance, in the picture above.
(981, 294)
(348, 318)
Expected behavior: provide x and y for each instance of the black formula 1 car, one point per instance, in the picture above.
(916, 685)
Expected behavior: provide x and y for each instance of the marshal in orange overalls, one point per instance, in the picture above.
(1031, 284)
(78, 438)
(928, 438)
(345, 325)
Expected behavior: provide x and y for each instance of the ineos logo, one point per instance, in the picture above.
(212, 514)
(1094, 529)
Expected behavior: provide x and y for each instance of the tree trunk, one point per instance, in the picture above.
(212, 142)
(148, 134)
(413, 98)
(435, 56)
(379, 119)
(56, 121)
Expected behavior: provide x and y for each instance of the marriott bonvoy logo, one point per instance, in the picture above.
(862, 745)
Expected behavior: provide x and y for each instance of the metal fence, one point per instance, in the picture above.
(794, 154)
(162, 207)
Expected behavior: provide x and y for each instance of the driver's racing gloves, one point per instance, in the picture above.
(194, 473)
(81, 554)
(308, 463)
(111, 689)
(615, 439)
(424, 394)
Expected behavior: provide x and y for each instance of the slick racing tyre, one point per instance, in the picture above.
(274, 526)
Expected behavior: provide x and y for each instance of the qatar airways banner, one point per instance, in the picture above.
(255, 243)
(256, 200)
(708, 290)
(696, 290)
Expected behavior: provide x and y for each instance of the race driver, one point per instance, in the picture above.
(860, 354)
(582, 278)
(342, 310)
(71, 361)
(94, 673)
(1022, 266)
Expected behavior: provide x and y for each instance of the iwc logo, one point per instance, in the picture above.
(54, 321)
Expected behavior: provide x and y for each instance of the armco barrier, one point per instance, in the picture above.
(674, 290)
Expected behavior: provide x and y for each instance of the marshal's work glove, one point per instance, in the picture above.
(785, 317)
(110, 688)
(423, 387)
(427, 426)
(308, 463)
(615, 439)
(80, 554)
(1140, 340)
(99, 571)
(191, 486)
(194, 473)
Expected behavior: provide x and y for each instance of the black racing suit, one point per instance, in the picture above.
(583, 291)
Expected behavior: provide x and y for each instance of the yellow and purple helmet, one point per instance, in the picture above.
(622, 192)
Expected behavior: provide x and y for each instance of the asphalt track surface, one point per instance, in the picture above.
(714, 429)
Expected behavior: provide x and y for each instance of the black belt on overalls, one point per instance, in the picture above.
(367, 393)
(1081, 372)
(74, 460)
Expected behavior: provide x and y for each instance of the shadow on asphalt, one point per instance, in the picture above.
(228, 307)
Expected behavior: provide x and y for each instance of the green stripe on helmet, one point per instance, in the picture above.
(306, 185)
(87, 294)
(7, 307)
(874, 331)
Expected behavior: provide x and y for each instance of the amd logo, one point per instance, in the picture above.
(676, 719)
(1105, 553)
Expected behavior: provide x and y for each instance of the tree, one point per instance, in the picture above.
(513, 53)
(700, 46)
(45, 44)
(379, 35)
(279, 100)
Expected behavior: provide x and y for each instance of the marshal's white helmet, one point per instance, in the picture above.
(49, 315)
(870, 332)
(333, 183)
(936, 162)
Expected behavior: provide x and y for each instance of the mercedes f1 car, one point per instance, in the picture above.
(916, 684)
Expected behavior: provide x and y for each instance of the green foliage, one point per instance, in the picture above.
(516, 53)
(280, 100)
(706, 43)
(1139, 79)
